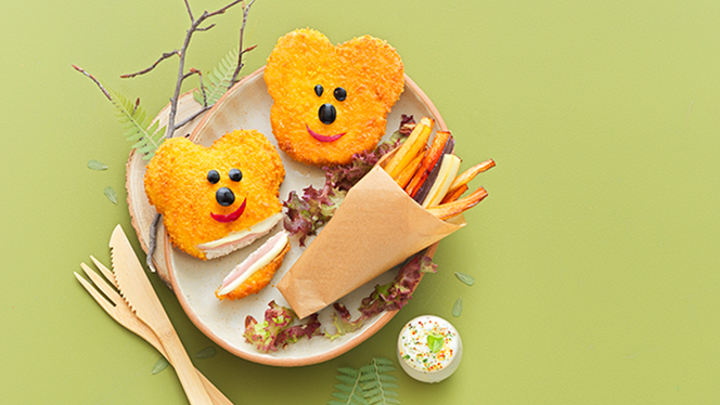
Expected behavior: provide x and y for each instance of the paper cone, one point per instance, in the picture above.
(376, 227)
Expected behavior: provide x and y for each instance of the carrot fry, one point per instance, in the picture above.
(449, 210)
(470, 174)
(407, 173)
(431, 158)
(417, 140)
(450, 197)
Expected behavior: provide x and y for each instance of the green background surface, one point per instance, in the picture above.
(595, 256)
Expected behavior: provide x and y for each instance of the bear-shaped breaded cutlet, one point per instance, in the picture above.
(331, 102)
(218, 199)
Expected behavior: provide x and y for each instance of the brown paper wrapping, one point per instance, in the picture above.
(376, 227)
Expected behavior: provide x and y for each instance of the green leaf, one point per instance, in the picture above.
(160, 366)
(96, 165)
(350, 392)
(378, 389)
(139, 129)
(206, 353)
(457, 308)
(110, 194)
(465, 278)
(435, 342)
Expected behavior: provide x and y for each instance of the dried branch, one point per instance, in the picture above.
(97, 82)
(181, 69)
(152, 242)
(164, 56)
(202, 89)
(206, 28)
(193, 116)
(189, 10)
(246, 10)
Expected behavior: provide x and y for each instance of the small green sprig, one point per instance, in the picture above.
(220, 80)
(145, 134)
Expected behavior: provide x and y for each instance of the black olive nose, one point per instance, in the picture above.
(327, 113)
(225, 196)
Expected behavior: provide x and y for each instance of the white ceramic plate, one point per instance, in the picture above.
(247, 106)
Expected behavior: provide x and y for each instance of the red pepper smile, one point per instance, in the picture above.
(231, 216)
(323, 138)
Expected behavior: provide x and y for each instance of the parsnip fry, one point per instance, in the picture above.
(448, 171)
(449, 210)
(404, 177)
(470, 174)
(412, 146)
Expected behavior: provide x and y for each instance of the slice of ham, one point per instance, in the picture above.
(239, 240)
(256, 261)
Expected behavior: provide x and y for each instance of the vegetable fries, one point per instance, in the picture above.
(429, 174)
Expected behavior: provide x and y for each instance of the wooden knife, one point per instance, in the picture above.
(137, 291)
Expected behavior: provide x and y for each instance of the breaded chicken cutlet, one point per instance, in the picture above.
(331, 102)
(218, 199)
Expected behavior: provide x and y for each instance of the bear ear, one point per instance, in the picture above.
(169, 158)
(296, 61)
(378, 64)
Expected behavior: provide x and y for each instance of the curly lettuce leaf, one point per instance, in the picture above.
(342, 322)
(275, 331)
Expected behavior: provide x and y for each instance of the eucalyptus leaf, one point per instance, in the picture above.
(465, 278)
(457, 308)
(206, 353)
(110, 194)
(96, 165)
(160, 366)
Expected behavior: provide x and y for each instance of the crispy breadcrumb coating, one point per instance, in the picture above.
(176, 183)
(259, 280)
(368, 69)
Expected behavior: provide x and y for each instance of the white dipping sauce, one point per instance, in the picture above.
(429, 349)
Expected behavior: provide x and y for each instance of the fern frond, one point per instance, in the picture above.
(350, 392)
(219, 79)
(377, 384)
(139, 129)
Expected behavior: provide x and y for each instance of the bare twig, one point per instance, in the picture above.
(202, 90)
(246, 10)
(136, 106)
(206, 28)
(164, 56)
(193, 116)
(181, 69)
(192, 71)
(189, 10)
(152, 242)
(97, 82)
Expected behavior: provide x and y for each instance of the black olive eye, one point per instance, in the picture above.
(340, 94)
(213, 176)
(319, 90)
(235, 175)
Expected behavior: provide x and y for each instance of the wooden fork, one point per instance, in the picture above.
(118, 309)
